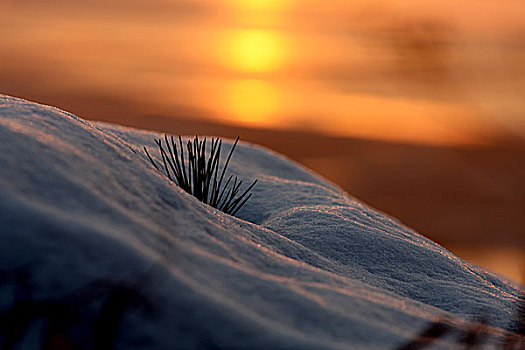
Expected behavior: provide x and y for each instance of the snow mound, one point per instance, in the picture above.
(85, 218)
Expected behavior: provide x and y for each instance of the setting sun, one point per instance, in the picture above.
(255, 51)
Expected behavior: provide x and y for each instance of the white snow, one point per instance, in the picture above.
(303, 265)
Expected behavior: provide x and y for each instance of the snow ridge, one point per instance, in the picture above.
(304, 265)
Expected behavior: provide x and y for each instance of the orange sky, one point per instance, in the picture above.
(439, 72)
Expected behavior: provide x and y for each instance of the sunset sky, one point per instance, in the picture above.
(436, 72)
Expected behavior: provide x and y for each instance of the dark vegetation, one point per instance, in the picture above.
(476, 335)
(202, 178)
(88, 318)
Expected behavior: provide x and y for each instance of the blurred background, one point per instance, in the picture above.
(415, 107)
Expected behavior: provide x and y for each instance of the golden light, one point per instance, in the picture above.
(265, 13)
(255, 51)
(398, 119)
(261, 4)
(252, 102)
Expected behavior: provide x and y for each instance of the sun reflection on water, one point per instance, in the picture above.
(252, 102)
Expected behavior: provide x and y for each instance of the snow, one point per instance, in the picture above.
(303, 265)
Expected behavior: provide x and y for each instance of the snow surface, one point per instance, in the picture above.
(304, 265)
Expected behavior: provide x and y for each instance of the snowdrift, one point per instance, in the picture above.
(88, 226)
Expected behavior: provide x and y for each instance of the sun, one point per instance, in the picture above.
(255, 51)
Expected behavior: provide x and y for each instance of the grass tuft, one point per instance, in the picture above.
(202, 177)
